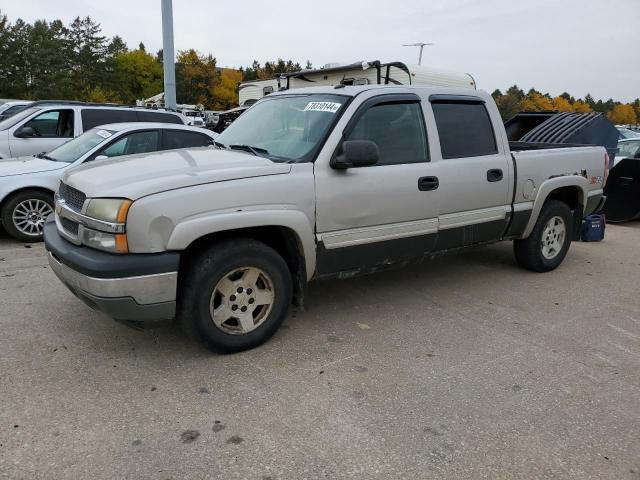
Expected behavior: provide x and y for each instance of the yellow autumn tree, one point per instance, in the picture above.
(225, 92)
(580, 106)
(622, 113)
(536, 102)
(561, 104)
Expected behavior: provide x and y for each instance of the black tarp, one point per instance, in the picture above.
(623, 191)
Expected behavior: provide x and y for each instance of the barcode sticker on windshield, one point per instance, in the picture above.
(103, 133)
(330, 107)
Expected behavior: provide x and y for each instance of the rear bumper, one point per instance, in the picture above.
(125, 287)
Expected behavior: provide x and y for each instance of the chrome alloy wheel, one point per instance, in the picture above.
(242, 300)
(29, 216)
(553, 237)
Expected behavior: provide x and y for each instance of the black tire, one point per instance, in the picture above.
(529, 251)
(200, 277)
(10, 205)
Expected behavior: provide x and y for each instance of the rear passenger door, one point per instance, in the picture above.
(474, 172)
(373, 216)
(172, 139)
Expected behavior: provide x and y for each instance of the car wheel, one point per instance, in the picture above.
(24, 214)
(549, 242)
(235, 295)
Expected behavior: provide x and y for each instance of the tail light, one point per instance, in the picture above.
(606, 169)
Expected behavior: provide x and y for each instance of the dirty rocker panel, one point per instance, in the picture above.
(370, 257)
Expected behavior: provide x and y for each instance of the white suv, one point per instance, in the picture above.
(46, 125)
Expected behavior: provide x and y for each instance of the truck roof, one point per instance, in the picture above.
(352, 91)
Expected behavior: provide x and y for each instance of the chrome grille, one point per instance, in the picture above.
(70, 226)
(74, 198)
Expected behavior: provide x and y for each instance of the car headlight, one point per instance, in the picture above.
(107, 230)
(112, 210)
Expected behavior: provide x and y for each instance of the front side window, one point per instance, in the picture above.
(397, 129)
(464, 129)
(284, 128)
(52, 124)
(76, 148)
(139, 142)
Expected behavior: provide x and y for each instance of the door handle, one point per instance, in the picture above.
(428, 183)
(494, 175)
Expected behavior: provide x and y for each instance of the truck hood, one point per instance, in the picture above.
(137, 176)
(29, 164)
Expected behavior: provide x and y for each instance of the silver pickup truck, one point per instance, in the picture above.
(320, 182)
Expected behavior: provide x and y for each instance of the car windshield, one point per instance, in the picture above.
(284, 128)
(628, 133)
(13, 109)
(15, 118)
(629, 149)
(76, 148)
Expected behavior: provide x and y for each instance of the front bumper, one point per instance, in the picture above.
(125, 287)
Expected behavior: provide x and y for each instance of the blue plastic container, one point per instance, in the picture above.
(593, 228)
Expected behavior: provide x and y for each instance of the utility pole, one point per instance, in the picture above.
(168, 57)
(421, 45)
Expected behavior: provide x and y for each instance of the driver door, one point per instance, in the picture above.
(371, 217)
(51, 129)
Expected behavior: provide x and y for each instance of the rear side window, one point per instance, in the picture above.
(139, 142)
(397, 129)
(151, 116)
(93, 117)
(464, 129)
(178, 139)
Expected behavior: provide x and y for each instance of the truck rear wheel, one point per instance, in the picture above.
(549, 242)
(235, 295)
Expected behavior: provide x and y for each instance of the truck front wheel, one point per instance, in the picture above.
(234, 295)
(549, 241)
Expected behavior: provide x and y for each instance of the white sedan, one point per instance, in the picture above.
(27, 184)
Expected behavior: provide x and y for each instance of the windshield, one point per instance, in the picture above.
(629, 149)
(76, 148)
(13, 109)
(627, 133)
(15, 118)
(284, 128)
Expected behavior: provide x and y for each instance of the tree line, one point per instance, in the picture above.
(51, 60)
(514, 100)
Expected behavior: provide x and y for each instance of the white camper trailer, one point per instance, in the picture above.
(361, 73)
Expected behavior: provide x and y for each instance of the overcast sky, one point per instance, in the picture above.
(578, 46)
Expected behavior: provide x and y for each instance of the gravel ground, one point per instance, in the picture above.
(464, 367)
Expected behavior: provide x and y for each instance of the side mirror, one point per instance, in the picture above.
(356, 153)
(101, 157)
(25, 132)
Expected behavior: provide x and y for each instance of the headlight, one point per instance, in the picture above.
(108, 231)
(109, 209)
(109, 242)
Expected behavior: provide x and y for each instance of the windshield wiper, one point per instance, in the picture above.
(218, 144)
(45, 157)
(257, 151)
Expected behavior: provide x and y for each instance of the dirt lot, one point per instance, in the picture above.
(465, 367)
